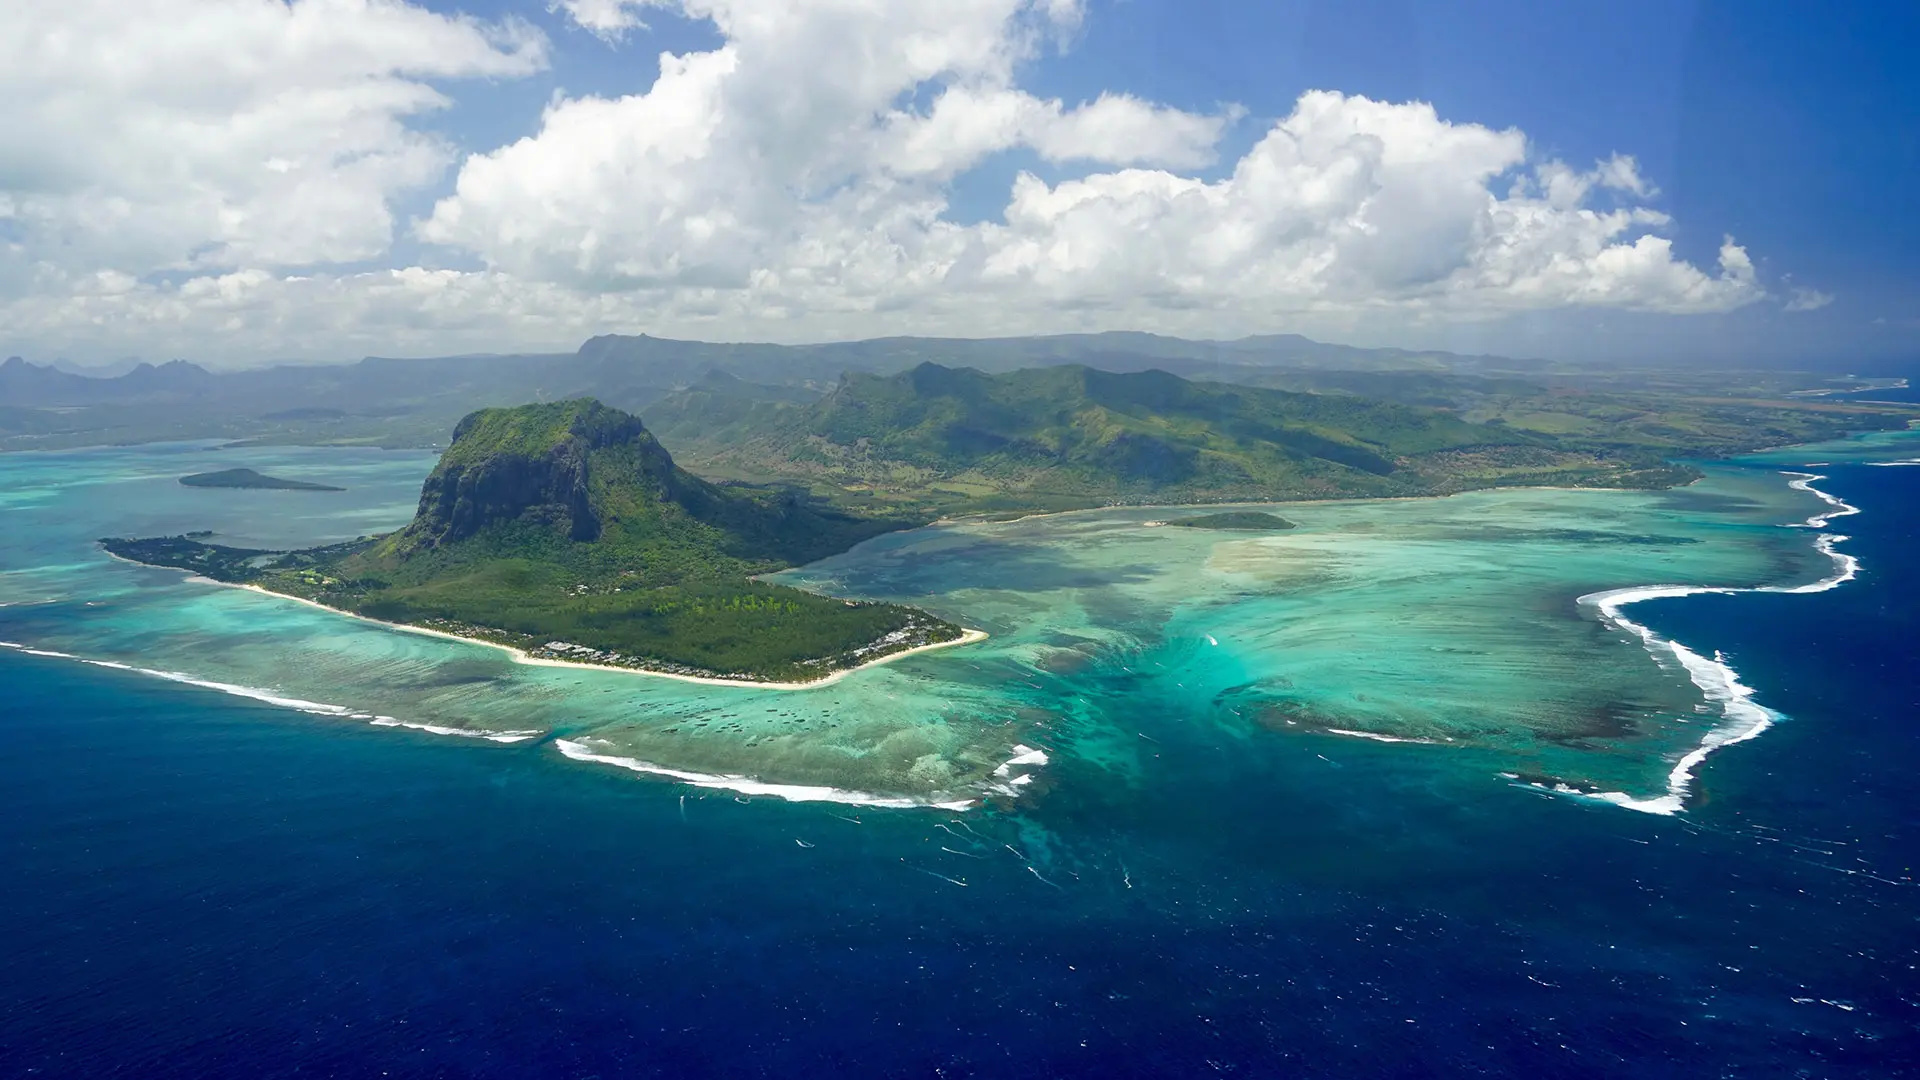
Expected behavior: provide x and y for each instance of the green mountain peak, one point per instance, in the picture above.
(535, 464)
(566, 530)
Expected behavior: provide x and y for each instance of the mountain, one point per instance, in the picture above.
(22, 383)
(418, 397)
(957, 439)
(566, 530)
(413, 402)
(597, 476)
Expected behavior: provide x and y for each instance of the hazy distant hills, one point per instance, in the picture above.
(943, 439)
(25, 384)
(630, 371)
(388, 401)
(415, 402)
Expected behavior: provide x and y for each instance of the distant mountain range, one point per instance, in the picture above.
(633, 371)
(415, 402)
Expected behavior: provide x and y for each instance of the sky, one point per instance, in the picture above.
(241, 182)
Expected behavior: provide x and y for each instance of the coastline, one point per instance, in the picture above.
(967, 636)
(1731, 714)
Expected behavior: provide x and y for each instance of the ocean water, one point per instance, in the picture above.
(1457, 623)
(207, 884)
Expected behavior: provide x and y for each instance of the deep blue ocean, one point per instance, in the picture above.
(197, 886)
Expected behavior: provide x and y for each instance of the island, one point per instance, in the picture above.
(247, 478)
(1240, 520)
(565, 532)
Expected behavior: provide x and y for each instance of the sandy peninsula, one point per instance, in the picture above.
(521, 656)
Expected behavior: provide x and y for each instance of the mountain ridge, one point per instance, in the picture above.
(385, 401)
(1048, 437)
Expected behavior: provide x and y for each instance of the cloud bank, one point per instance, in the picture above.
(222, 176)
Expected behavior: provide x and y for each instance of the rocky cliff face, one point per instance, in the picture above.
(459, 500)
(494, 472)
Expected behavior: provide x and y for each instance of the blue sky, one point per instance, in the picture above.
(1768, 210)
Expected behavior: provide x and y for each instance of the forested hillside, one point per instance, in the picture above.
(958, 439)
(567, 530)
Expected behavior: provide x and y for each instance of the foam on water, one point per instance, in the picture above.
(1742, 718)
(275, 698)
(1374, 735)
(442, 729)
(1006, 782)
(1841, 508)
(579, 750)
(1022, 755)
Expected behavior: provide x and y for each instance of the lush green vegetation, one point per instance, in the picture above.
(1690, 410)
(566, 530)
(1643, 417)
(247, 478)
(1243, 520)
(946, 440)
(191, 553)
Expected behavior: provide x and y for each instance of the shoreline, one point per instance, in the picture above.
(968, 636)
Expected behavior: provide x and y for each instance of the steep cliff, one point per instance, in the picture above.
(578, 486)
(531, 464)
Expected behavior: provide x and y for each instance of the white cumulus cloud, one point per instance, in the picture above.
(791, 183)
(211, 134)
(608, 19)
(1807, 300)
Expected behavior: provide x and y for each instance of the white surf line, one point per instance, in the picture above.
(1893, 464)
(1742, 718)
(275, 698)
(1841, 508)
(1006, 782)
(579, 750)
(1375, 736)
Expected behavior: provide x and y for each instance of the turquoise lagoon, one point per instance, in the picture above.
(1454, 628)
